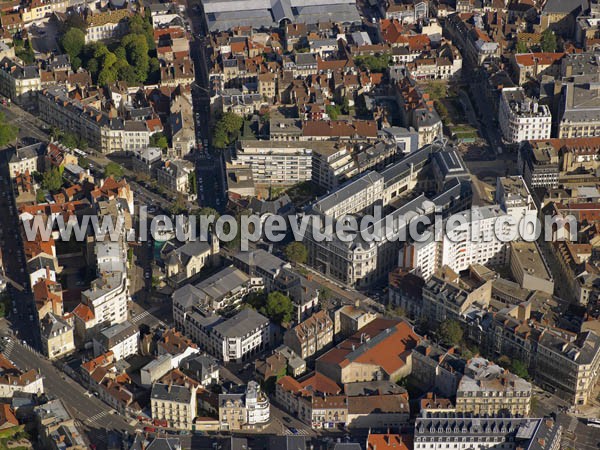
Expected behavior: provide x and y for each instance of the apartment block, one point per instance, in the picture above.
(487, 389)
(521, 118)
(274, 162)
(174, 404)
(442, 430)
(529, 268)
(248, 410)
(311, 336)
(122, 339)
(20, 83)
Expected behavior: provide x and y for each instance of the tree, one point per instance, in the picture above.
(136, 48)
(296, 252)
(256, 300)
(73, 42)
(68, 139)
(52, 179)
(548, 41)
(436, 90)
(372, 63)
(333, 111)
(159, 140)
(226, 130)
(8, 132)
(192, 186)
(450, 332)
(114, 170)
(521, 47)
(504, 361)
(519, 368)
(278, 308)
(40, 196)
(178, 207)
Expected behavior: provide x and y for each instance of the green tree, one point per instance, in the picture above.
(521, 47)
(40, 195)
(8, 132)
(136, 48)
(436, 90)
(83, 162)
(296, 252)
(278, 307)
(519, 368)
(227, 129)
(159, 140)
(178, 206)
(256, 300)
(114, 170)
(548, 41)
(142, 26)
(68, 139)
(52, 180)
(73, 42)
(504, 361)
(75, 21)
(450, 332)
(374, 63)
(192, 186)
(333, 111)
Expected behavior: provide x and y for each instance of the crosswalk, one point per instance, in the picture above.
(299, 432)
(8, 348)
(141, 316)
(97, 417)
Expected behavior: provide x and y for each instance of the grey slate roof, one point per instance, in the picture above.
(52, 324)
(173, 393)
(242, 324)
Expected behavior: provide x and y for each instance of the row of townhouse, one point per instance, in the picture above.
(100, 130)
(322, 404)
(562, 362)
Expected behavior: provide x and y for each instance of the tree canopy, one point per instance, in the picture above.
(73, 42)
(450, 332)
(114, 170)
(548, 42)
(227, 129)
(296, 252)
(128, 60)
(8, 132)
(159, 140)
(519, 368)
(279, 308)
(377, 64)
(52, 180)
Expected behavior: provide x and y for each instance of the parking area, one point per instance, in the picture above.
(44, 36)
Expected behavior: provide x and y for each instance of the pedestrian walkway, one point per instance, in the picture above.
(97, 417)
(299, 432)
(144, 314)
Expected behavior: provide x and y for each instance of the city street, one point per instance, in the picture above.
(95, 416)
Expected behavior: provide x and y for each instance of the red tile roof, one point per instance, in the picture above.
(83, 312)
(383, 342)
(541, 58)
(385, 441)
(340, 128)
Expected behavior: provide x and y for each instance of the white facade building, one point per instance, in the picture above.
(258, 408)
(275, 162)
(122, 339)
(469, 238)
(521, 118)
